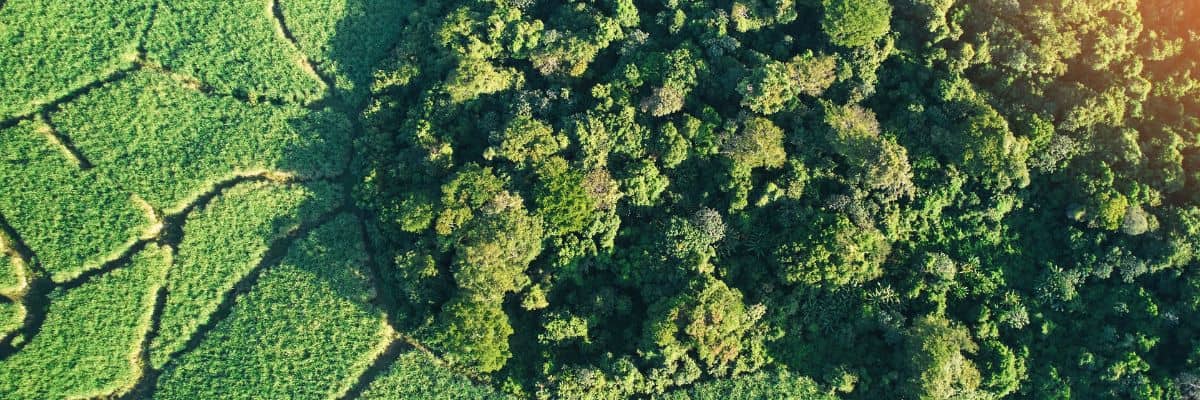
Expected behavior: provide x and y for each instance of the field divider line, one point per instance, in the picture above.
(141, 45)
(192, 83)
(139, 388)
(62, 142)
(284, 32)
(56, 104)
(384, 354)
(275, 254)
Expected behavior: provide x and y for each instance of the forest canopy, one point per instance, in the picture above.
(916, 198)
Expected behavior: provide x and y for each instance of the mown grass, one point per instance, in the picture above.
(49, 47)
(222, 243)
(233, 46)
(90, 342)
(169, 143)
(72, 219)
(345, 38)
(305, 331)
(415, 376)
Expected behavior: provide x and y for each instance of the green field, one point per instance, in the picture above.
(600, 199)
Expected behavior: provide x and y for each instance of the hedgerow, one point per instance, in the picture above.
(90, 342)
(169, 143)
(72, 219)
(43, 56)
(306, 330)
(233, 46)
(416, 376)
(223, 242)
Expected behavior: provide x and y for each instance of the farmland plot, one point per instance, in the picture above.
(414, 375)
(345, 38)
(169, 143)
(236, 47)
(72, 219)
(49, 48)
(225, 241)
(307, 329)
(90, 342)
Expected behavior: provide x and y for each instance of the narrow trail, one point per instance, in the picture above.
(378, 366)
(275, 253)
(56, 104)
(63, 142)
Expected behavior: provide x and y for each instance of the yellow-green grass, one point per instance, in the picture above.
(235, 47)
(91, 340)
(72, 219)
(49, 48)
(169, 144)
(345, 39)
(415, 376)
(222, 243)
(306, 330)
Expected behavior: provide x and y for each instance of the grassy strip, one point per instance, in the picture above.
(168, 143)
(415, 376)
(222, 243)
(51, 47)
(73, 220)
(306, 330)
(345, 38)
(233, 46)
(90, 342)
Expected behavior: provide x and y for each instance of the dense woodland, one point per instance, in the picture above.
(935, 199)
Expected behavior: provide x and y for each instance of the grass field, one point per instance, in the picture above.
(91, 341)
(172, 175)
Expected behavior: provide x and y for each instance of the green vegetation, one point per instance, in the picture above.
(51, 48)
(159, 140)
(73, 220)
(759, 385)
(414, 375)
(345, 39)
(236, 48)
(305, 330)
(225, 241)
(605, 199)
(90, 342)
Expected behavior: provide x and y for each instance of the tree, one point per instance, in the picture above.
(832, 251)
(474, 334)
(854, 23)
(709, 319)
(771, 87)
(758, 144)
(938, 367)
